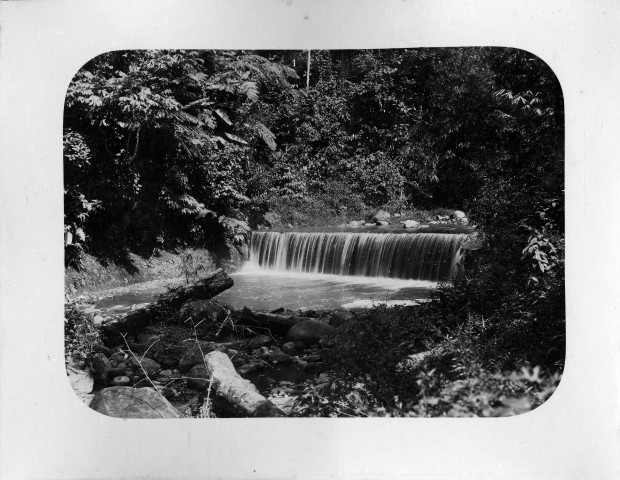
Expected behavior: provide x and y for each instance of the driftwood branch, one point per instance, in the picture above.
(202, 289)
(279, 324)
(238, 393)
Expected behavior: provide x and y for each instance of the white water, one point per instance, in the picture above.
(261, 289)
(418, 256)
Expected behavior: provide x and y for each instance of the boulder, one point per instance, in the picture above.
(128, 402)
(198, 377)
(101, 366)
(410, 224)
(309, 331)
(148, 365)
(260, 341)
(458, 214)
(194, 355)
(380, 216)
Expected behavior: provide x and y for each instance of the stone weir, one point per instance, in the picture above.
(431, 256)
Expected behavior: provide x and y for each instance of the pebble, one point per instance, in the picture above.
(120, 381)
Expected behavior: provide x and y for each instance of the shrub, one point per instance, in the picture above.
(81, 336)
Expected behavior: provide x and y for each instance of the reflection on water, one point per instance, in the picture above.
(267, 290)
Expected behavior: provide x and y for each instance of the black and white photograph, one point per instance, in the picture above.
(349, 233)
(309, 239)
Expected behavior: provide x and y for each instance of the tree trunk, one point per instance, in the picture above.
(202, 289)
(238, 393)
(279, 324)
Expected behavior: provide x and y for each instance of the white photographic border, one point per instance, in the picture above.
(45, 432)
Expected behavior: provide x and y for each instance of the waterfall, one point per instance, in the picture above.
(419, 256)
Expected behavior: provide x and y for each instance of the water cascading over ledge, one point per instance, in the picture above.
(419, 256)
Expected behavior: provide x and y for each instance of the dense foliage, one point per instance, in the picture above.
(168, 149)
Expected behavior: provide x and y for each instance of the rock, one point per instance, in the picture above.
(410, 224)
(260, 341)
(167, 392)
(148, 365)
(309, 331)
(116, 372)
(98, 320)
(279, 357)
(117, 357)
(167, 361)
(128, 402)
(198, 377)
(252, 366)
(289, 347)
(355, 223)
(101, 366)
(369, 224)
(396, 215)
(120, 381)
(193, 355)
(81, 381)
(380, 216)
(458, 214)
(102, 349)
(338, 318)
(239, 360)
(382, 223)
(166, 373)
(463, 220)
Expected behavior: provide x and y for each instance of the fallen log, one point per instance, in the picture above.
(239, 394)
(273, 322)
(202, 289)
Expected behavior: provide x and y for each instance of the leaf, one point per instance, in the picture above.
(223, 116)
(267, 135)
(235, 138)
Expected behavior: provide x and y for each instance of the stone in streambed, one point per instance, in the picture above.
(128, 402)
(380, 216)
(260, 341)
(101, 367)
(279, 357)
(194, 355)
(147, 365)
(410, 224)
(120, 381)
(309, 331)
(198, 377)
